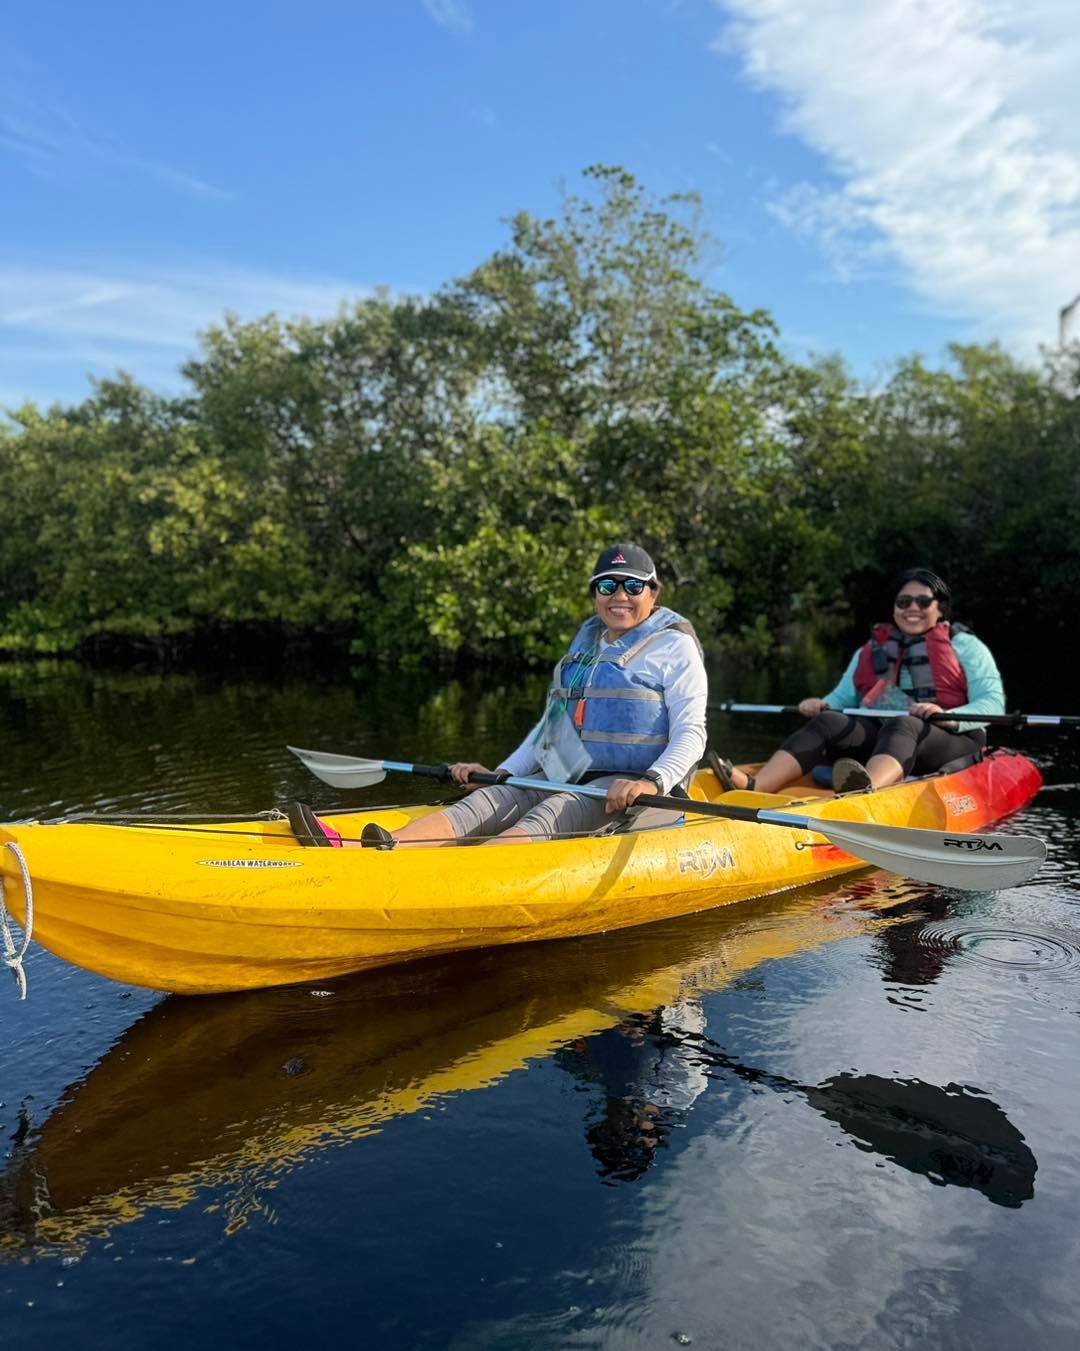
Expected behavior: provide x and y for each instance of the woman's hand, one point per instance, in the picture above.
(624, 793)
(924, 711)
(811, 707)
(461, 771)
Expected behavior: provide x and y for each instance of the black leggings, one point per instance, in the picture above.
(920, 746)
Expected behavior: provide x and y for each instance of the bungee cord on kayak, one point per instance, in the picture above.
(13, 956)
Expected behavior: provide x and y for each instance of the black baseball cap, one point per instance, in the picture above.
(625, 560)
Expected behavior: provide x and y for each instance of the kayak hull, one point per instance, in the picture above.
(203, 909)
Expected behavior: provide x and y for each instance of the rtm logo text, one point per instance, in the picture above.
(975, 846)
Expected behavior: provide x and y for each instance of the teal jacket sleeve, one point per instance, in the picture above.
(845, 695)
(986, 693)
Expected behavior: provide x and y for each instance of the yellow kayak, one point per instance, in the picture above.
(208, 907)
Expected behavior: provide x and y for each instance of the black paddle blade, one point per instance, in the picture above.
(954, 1135)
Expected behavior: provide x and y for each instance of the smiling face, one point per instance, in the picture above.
(620, 613)
(911, 618)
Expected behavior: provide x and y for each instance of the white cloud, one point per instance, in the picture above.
(840, 227)
(55, 145)
(59, 324)
(452, 14)
(950, 125)
(719, 152)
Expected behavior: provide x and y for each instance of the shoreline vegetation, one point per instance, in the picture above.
(413, 480)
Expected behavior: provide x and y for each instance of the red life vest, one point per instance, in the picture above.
(936, 674)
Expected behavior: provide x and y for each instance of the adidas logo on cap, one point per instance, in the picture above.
(627, 559)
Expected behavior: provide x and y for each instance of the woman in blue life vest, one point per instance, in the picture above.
(920, 662)
(625, 712)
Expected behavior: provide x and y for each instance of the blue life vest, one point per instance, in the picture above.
(619, 714)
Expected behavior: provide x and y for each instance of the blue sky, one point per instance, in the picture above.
(885, 176)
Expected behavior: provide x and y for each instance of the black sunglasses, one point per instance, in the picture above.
(607, 586)
(905, 601)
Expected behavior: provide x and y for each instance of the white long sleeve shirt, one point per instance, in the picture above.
(674, 663)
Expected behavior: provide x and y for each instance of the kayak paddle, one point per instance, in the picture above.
(1005, 719)
(968, 861)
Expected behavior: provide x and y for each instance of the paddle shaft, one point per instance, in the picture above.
(672, 804)
(1004, 719)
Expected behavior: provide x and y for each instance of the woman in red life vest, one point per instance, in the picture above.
(920, 662)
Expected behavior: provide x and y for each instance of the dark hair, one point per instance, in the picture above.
(625, 1139)
(938, 587)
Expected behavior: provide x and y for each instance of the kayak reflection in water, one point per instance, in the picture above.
(919, 662)
(625, 711)
(649, 1074)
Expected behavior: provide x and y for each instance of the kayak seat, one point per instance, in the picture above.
(719, 767)
(309, 830)
(637, 822)
(961, 762)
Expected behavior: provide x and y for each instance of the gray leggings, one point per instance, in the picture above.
(490, 811)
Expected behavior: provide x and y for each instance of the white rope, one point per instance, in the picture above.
(13, 957)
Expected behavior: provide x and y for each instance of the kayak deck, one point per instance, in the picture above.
(210, 907)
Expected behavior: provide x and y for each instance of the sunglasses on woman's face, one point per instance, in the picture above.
(607, 586)
(905, 602)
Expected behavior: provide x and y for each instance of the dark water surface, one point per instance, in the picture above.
(844, 1117)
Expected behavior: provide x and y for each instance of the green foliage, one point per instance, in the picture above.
(431, 479)
(504, 588)
(599, 316)
(985, 461)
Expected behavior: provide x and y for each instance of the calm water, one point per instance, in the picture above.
(846, 1117)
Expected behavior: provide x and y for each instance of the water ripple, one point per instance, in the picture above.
(1018, 950)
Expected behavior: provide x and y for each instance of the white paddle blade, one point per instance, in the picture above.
(970, 862)
(340, 771)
